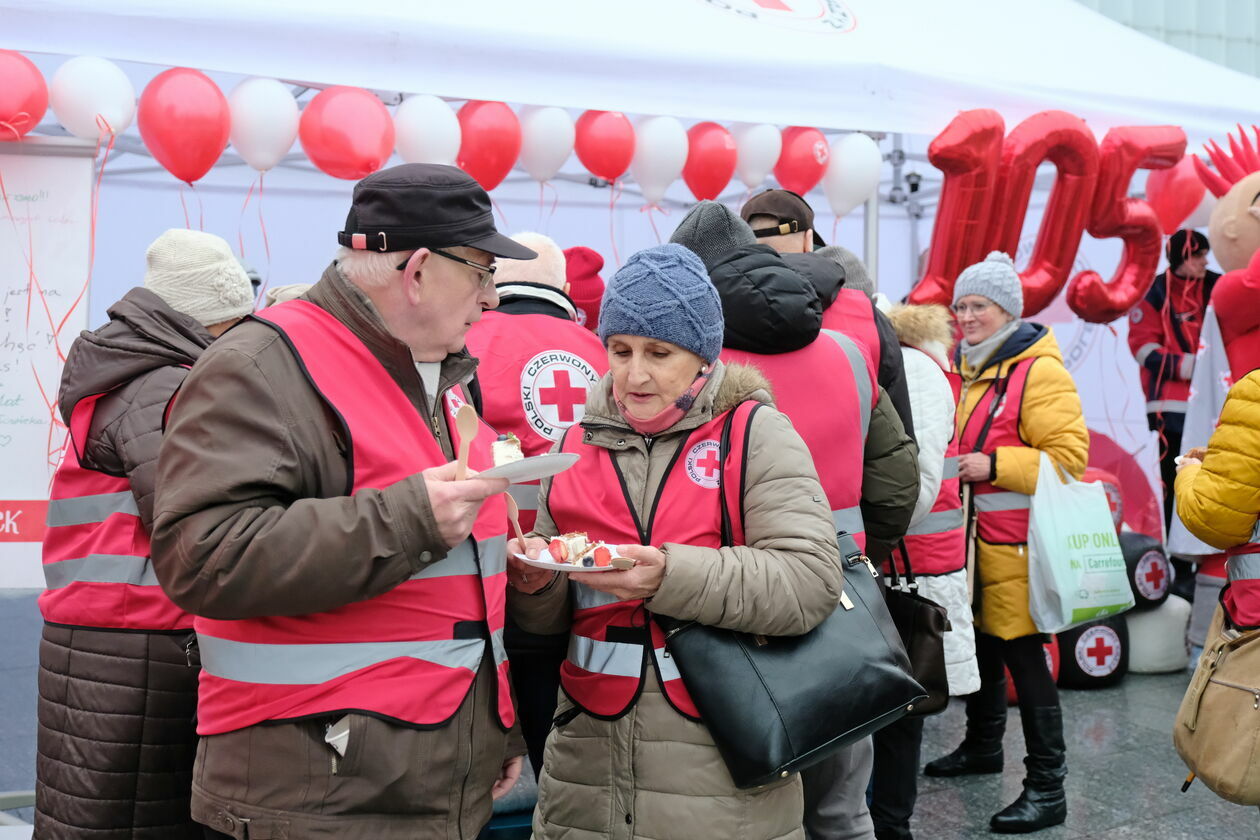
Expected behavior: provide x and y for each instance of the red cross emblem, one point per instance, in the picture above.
(1155, 577)
(1101, 651)
(703, 464)
(709, 464)
(1098, 651)
(565, 396)
(1152, 575)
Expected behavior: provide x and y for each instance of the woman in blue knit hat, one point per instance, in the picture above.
(1018, 401)
(629, 755)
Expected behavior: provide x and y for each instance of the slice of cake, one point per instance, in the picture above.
(506, 449)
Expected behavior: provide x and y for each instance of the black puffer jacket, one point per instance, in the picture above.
(116, 737)
(769, 308)
(827, 278)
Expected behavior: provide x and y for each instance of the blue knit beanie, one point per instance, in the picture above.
(664, 293)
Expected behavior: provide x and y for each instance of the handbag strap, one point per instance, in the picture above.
(999, 391)
(911, 584)
(747, 409)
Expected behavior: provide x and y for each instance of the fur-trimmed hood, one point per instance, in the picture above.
(927, 327)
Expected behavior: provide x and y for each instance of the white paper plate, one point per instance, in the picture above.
(532, 469)
(551, 565)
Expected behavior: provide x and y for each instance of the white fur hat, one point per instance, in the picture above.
(197, 274)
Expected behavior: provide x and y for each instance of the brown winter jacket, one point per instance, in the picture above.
(251, 521)
(120, 766)
(653, 773)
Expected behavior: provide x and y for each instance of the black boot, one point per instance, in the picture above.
(1043, 802)
(981, 749)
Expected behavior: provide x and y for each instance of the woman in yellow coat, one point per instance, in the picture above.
(1018, 401)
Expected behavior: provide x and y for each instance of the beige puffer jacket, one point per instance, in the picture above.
(653, 773)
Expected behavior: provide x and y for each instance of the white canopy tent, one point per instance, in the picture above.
(871, 65)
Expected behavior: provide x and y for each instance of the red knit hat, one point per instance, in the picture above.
(586, 287)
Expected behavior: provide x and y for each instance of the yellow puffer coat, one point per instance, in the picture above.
(1219, 501)
(1050, 421)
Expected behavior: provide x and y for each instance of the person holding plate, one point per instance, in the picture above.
(629, 755)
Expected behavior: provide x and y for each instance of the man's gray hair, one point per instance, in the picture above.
(547, 269)
(370, 269)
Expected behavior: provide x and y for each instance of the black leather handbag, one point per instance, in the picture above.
(922, 624)
(777, 704)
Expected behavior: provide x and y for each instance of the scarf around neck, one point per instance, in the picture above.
(667, 416)
(979, 353)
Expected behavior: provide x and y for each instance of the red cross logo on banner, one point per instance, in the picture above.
(563, 395)
(703, 465)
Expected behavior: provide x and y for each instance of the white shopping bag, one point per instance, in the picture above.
(1076, 570)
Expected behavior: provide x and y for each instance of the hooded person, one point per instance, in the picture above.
(785, 221)
(536, 366)
(1018, 402)
(121, 764)
(630, 755)
(822, 382)
(582, 266)
(346, 575)
(934, 549)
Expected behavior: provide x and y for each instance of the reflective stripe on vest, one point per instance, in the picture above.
(605, 666)
(1243, 566)
(95, 552)
(525, 496)
(853, 314)
(825, 389)
(937, 522)
(1167, 406)
(410, 654)
(951, 468)
(1001, 515)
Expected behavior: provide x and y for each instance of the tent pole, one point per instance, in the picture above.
(870, 246)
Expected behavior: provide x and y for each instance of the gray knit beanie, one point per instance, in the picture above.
(855, 275)
(664, 293)
(197, 274)
(711, 231)
(995, 279)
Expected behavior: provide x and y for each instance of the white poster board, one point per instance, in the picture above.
(45, 230)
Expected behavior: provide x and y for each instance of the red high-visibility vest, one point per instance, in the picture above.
(535, 372)
(828, 393)
(1241, 595)
(853, 314)
(612, 641)
(936, 544)
(410, 654)
(96, 549)
(1001, 515)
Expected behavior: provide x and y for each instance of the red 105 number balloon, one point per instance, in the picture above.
(184, 121)
(803, 159)
(346, 132)
(711, 159)
(604, 142)
(23, 95)
(490, 141)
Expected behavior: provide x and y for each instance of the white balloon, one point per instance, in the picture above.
(427, 130)
(758, 147)
(264, 122)
(546, 141)
(1203, 213)
(660, 153)
(853, 174)
(87, 86)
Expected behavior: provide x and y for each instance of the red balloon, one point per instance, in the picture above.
(969, 152)
(604, 142)
(490, 141)
(23, 95)
(184, 121)
(803, 159)
(347, 132)
(1113, 214)
(711, 159)
(1067, 142)
(1174, 193)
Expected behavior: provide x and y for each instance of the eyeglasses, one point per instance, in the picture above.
(487, 271)
(974, 308)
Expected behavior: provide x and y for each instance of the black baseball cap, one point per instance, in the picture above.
(424, 205)
(792, 212)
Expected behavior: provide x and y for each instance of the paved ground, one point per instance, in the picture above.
(1124, 780)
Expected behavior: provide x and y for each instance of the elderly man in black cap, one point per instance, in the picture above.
(346, 574)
